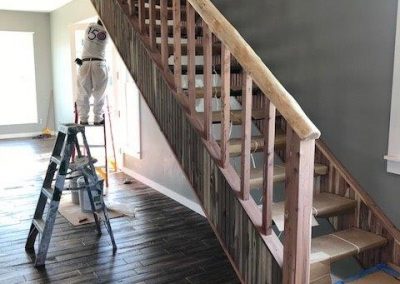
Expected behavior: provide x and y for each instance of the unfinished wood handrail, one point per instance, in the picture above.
(259, 72)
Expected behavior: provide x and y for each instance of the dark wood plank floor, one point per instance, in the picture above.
(165, 243)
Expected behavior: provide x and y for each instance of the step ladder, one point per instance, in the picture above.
(61, 168)
(104, 134)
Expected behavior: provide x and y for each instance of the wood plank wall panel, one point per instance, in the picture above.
(230, 222)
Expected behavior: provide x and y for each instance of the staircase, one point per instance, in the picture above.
(238, 135)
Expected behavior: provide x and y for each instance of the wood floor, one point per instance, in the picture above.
(164, 243)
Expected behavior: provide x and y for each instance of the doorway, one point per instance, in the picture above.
(122, 107)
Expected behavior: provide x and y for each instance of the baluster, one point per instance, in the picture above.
(177, 45)
(164, 33)
(152, 24)
(226, 103)
(131, 5)
(298, 204)
(246, 135)
(191, 55)
(268, 181)
(207, 71)
(141, 16)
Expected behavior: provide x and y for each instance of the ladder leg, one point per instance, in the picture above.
(41, 205)
(108, 226)
(33, 232)
(96, 218)
(60, 156)
(46, 235)
(30, 242)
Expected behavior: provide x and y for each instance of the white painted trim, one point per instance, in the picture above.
(19, 135)
(393, 165)
(166, 191)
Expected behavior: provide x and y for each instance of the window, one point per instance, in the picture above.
(393, 156)
(17, 79)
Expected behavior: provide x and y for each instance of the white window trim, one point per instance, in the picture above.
(393, 156)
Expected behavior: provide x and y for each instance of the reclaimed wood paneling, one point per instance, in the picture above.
(240, 239)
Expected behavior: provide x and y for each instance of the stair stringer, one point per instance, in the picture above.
(239, 237)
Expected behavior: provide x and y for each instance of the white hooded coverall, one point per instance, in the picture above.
(93, 75)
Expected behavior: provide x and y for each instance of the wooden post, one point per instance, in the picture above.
(268, 181)
(177, 45)
(298, 208)
(141, 16)
(207, 72)
(152, 24)
(191, 55)
(164, 34)
(226, 103)
(246, 135)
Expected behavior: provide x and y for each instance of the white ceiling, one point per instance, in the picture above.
(32, 5)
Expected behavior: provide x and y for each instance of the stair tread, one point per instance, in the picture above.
(199, 69)
(234, 92)
(235, 116)
(257, 143)
(328, 204)
(324, 205)
(320, 272)
(377, 277)
(342, 244)
(216, 48)
(256, 175)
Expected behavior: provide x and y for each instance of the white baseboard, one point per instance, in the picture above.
(166, 191)
(19, 135)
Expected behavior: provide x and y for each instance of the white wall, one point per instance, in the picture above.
(39, 23)
(61, 21)
(158, 163)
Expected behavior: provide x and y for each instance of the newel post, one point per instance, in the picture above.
(298, 208)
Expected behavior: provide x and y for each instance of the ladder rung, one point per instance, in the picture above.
(81, 162)
(94, 125)
(94, 146)
(48, 192)
(39, 224)
(56, 159)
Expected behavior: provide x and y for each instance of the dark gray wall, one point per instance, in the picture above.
(336, 59)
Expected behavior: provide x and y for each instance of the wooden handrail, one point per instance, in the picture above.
(258, 71)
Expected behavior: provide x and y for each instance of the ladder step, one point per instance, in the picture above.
(93, 125)
(56, 159)
(94, 146)
(48, 192)
(39, 224)
(81, 162)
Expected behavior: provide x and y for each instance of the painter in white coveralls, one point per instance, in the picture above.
(93, 73)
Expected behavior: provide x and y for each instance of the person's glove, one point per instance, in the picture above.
(78, 61)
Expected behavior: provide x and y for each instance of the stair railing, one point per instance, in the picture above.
(219, 37)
